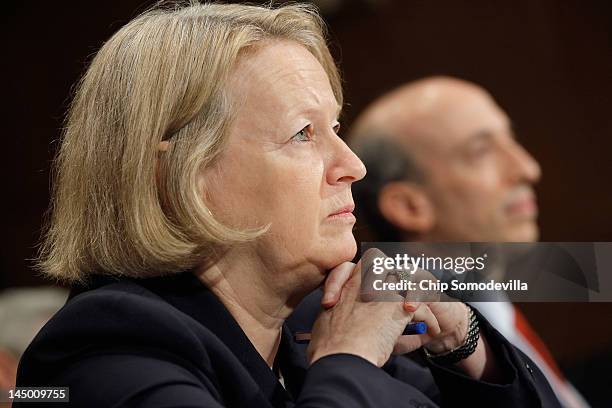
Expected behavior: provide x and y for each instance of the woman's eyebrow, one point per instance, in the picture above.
(315, 109)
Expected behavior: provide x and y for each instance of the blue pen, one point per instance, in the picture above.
(411, 328)
(415, 328)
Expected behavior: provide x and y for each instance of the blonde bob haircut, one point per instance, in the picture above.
(120, 205)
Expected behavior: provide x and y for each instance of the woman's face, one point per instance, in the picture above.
(284, 163)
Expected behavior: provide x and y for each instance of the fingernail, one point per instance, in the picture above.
(327, 297)
(411, 306)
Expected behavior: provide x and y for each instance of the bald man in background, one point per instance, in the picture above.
(444, 165)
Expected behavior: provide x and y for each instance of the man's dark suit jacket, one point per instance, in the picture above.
(169, 342)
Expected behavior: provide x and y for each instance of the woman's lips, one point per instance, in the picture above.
(344, 213)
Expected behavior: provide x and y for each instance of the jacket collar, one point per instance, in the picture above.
(188, 294)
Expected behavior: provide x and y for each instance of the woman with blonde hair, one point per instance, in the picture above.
(201, 192)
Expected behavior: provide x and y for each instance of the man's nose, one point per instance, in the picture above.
(345, 167)
(522, 166)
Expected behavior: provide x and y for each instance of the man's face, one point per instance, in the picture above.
(479, 178)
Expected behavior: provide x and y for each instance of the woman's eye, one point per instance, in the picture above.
(301, 136)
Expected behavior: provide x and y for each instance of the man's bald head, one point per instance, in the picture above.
(418, 112)
(457, 145)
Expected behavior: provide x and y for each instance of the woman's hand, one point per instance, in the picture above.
(447, 324)
(367, 329)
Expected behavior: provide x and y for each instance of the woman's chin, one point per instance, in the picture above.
(339, 251)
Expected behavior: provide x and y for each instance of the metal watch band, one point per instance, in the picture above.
(465, 350)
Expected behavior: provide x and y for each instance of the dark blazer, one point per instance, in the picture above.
(169, 342)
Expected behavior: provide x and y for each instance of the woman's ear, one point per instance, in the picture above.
(406, 206)
(163, 146)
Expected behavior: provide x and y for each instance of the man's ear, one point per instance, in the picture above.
(406, 206)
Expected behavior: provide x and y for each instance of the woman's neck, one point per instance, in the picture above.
(259, 309)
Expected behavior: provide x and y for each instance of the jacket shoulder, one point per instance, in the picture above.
(122, 324)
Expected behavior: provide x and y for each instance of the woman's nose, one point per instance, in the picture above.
(345, 166)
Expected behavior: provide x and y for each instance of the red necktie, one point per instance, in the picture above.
(536, 342)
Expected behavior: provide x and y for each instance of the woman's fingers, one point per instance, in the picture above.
(369, 329)
(425, 314)
(418, 294)
(371, 270)
(406, 344)
(334, 283)
(341, 274)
